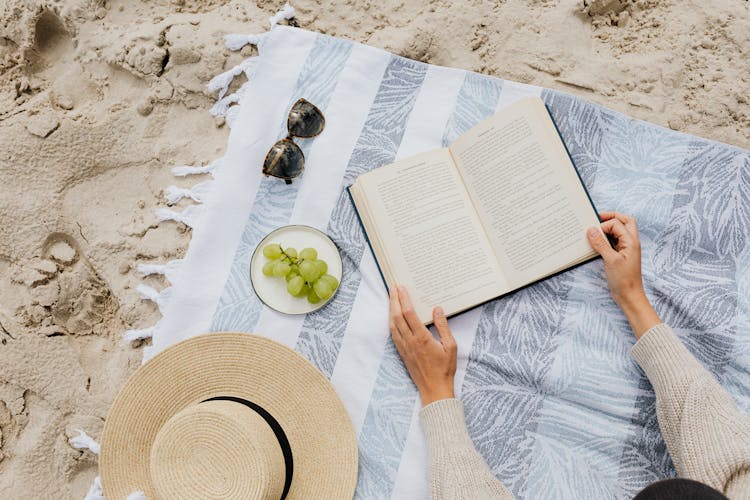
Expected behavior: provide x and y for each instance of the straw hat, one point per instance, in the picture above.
(228, 415)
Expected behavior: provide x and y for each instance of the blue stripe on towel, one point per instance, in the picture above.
(477, 100)
(596, 369)
(238, 308)
(697, 260)
(389, 414)
(508, 373)
(323, 330)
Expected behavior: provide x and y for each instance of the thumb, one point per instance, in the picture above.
(444, 331)
(599, 243)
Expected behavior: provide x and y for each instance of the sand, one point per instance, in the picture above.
(98, 99)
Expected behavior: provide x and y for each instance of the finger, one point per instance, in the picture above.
(627, 220)
(396, 316)
(617, 229)
(444, 331)
(408, 310)
(599, 243)
(607, 215)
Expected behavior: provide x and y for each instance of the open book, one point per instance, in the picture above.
(500, 208)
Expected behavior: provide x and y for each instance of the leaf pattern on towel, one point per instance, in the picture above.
(736, 376)
(389, 414)
(711, 204)
(506, 376)
(238, 308)
(553, 401)
(323, 330)
(476, 100)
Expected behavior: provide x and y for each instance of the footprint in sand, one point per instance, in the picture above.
(68, 297)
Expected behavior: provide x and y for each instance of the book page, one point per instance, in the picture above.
(526, 190)
(428, 235)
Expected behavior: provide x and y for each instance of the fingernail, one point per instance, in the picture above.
(593, 232)
(401, 288)
(439, 311)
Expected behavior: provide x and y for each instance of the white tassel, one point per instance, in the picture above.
(95, 492)
(142, 334)
(221, 82)
(222, 106)
(196, 193)
(183, 170)
(169, 269)
(84, 442)
(150, 293)
(138, 495)
(286, 12)
(236, 41)
(187, 216)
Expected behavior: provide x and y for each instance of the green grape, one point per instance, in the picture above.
(312, 297)
(281, 269)
(308, 270)
(272, 251)
(294, 286)
(308, 254)
(295, 268)
(321, 266)
(305, 290)
(323, 289)
(291, 252)
(331, 280)
(291, 275)
(268, 267)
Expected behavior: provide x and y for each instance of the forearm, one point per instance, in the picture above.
(457, 471)
(639, 312)
(707, 437)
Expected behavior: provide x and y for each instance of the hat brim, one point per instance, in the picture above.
(265, 372)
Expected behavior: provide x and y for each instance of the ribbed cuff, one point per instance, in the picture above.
(663, 356)
(444, 421)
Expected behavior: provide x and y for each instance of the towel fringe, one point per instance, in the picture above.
(235, 41)
(224, 103)
(84, 442)
(168, 269)
(188, 216)
(286, 12)
(95, 492)
(139, 334)
(196, 193)
(184, 170)
(150, 293)
(222, 81)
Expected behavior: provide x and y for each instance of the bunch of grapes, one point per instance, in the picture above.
(305, 274)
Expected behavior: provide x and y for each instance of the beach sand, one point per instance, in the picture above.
(98, 99)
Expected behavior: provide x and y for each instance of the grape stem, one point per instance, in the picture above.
(295, 261)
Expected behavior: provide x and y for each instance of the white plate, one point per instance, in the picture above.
(272, 290)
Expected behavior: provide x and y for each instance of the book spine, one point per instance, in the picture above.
(367, 238)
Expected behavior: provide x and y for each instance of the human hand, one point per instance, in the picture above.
(431, 363)
(622, 266)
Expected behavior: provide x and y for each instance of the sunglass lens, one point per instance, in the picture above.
(305, 120)
(284, 160)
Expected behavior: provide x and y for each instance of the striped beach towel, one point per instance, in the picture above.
(553, 400)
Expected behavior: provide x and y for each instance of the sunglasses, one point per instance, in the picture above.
(285, 159)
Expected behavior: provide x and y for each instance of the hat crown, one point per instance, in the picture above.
(217, 449)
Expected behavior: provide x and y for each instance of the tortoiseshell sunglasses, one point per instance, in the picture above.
(285, 159)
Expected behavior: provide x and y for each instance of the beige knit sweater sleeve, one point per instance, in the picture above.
(707, 437)
(457, 471)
